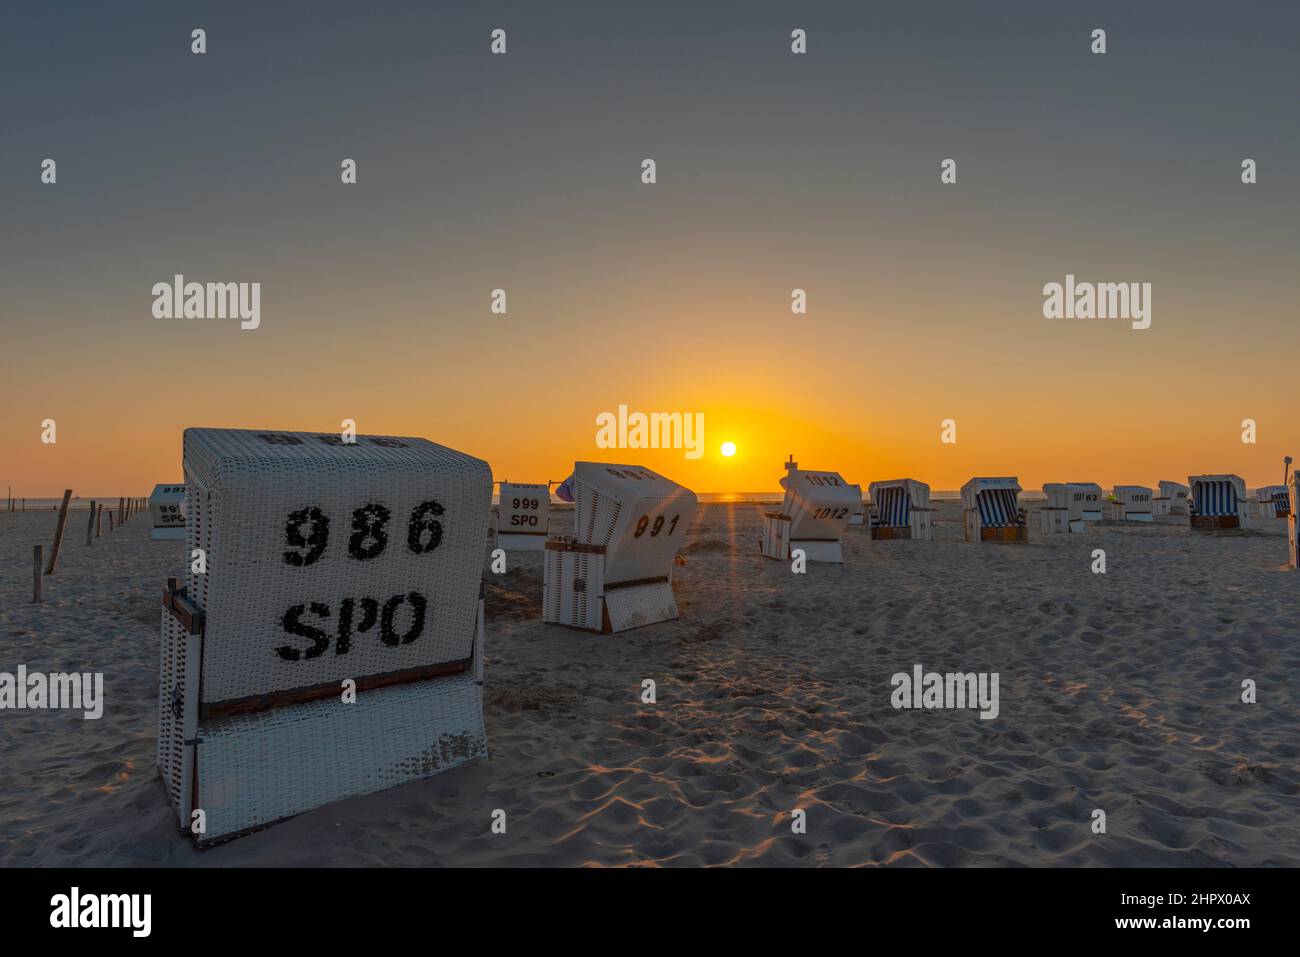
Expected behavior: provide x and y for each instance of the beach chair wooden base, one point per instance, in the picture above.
(919, 528)
(1215, 523)
(976, 532)
(891, 533)
(249, 770)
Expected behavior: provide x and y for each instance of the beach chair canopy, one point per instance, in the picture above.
(1270, 493)
(818, 503)
(1215, 494)
(329, 559)
(894, 499)
(640, 517)
(995, 498)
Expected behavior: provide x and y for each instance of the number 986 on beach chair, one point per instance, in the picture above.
(332, 645)
(616, 571)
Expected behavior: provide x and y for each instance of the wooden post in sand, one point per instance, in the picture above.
(99, 521)
(110, 519)
(58, 532)
(37, 553)
(121, 511)
(90, 524)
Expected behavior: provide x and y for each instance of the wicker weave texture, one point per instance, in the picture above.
(573, 588)
(328, 561)
(818, 503)
(256, 769)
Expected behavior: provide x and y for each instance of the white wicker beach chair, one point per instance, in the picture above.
(523, 517)
(329, 566)
(813, 515)
(1132, 503)
(615, 572)
(167, 510)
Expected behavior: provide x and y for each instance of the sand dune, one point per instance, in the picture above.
(1117, 691)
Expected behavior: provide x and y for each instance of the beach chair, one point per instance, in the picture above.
(523, 517)
(332, 569)
(1273, 502)
(616, 571)
(1171, 499)
(813, 514)
(1293, 520)
(1067, 505)
(167, 509)
(1218, 502)
(991, 511)
(901, 509)
(1132, 503)
(859, 514)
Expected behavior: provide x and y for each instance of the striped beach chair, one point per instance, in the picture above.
(901, 509)
(1132, 503)
(1273, 502)
(991, 511)
(1218, 502)
(1293, 520)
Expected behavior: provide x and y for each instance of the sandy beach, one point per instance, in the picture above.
(1118, 691)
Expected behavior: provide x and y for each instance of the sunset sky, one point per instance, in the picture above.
(775, 171)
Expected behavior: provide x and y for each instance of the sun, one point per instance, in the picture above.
(728, 449)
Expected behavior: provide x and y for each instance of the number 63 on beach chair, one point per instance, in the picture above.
(330, 642)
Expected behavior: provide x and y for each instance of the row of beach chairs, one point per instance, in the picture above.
(325, 637)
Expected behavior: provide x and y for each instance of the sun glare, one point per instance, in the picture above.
(728, 449)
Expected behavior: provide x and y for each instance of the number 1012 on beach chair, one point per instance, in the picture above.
(814, 513)
(333, 644)
(616, 571)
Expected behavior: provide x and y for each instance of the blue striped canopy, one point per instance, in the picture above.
(893, 507)
(1216, 497)
(998, 507)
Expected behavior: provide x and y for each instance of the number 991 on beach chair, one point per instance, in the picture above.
(329, 566)
(616, 571)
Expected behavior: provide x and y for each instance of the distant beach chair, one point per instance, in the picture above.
(1132, 503)
(859, 514)
(1273, 501)
(991, 511)
(901, 509)
(1293, 519)
(167, 509)
(813, 514)
(523, 517)
(616, 571)
(1171, 499)
(331, 568)
(1070, 505)
(1218, 502)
